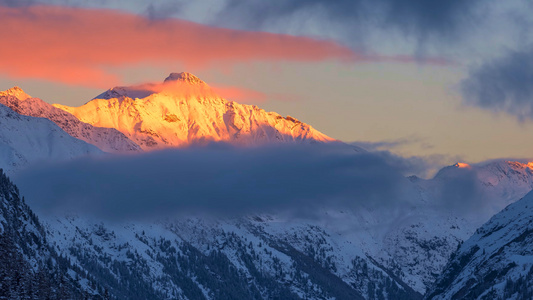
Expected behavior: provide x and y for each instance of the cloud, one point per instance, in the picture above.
(416, 17)
(16, 3)
(422, 166)
(461, 191)
(78, 46)
(354, 19)
(219, 180)
(241, 95)
(504, 84)
(178, 89)
(391, 144)
(452, 30)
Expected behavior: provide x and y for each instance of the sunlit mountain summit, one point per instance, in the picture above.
(184, 110)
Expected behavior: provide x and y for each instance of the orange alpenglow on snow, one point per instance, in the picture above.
(530, 164)
(462, 165)
(106, 139)
(184, 110)
(15, 92)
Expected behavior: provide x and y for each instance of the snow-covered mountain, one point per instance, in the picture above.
(107, 139)
(363, 253)
(510, 180)
(492, 185)
(349, 254)
(496, 262)
(420, 246)
(249, 258)
(184, 110)
(25, 140)
(30, 268)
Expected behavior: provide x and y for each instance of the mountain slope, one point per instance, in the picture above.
(379, 253)
(487, 187)
(185, 110)
(248, 258)
(107, 139)
(352, 254)
(29, 267)
(510, 180)
(364, 252)
(421, 245)
(26, 139)
(496, 262)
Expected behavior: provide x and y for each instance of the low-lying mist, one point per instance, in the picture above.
(218, 179)
(223, 180)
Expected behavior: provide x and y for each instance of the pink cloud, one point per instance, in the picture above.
(78, 46)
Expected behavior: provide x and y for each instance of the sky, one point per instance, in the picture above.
(448, 80)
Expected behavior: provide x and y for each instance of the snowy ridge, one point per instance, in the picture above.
(25, 140)
(15, 92)
(362, 253)
(270, 256)
(431, 232)
(510, 180)
(496, 262)
(499, 182)
(185, 110)
(399, 252)
(107, 139)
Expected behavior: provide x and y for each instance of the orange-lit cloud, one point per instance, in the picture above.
(232, 93)
(78, 46)
(241, 95)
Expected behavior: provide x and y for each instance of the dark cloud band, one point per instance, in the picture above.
(504, 84)
(218, 180)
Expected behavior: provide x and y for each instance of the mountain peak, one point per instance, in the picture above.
(15, 92)
(461, 165)
(184, 77)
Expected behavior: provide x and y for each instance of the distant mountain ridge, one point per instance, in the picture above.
(184, 110)
(363, 253)
(107, 139)
(422, 246)
(496, 262)
(25, 140)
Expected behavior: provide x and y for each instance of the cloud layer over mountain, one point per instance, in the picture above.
(225, 180)
(219, 179)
